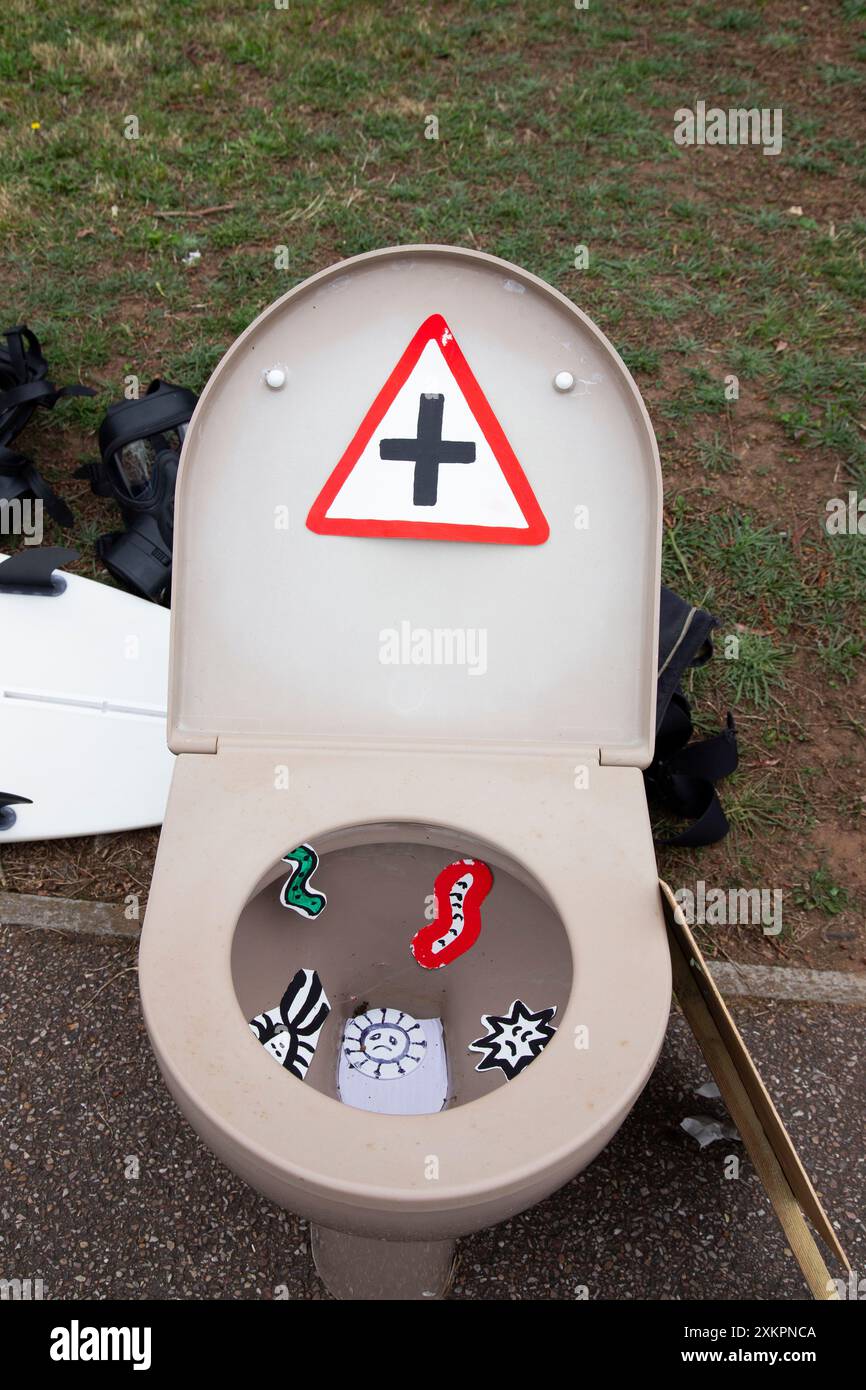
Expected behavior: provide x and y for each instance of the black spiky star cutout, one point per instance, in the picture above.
(513, 1040)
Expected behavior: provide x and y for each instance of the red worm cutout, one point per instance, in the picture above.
(460, 890)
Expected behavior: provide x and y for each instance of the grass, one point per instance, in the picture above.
(714, 454)
(555, 131)
(821, 893)
(754, 671)
(839, 656)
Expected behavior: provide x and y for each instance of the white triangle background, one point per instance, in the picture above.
(470, 494)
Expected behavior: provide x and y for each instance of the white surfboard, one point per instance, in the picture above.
(83, 682)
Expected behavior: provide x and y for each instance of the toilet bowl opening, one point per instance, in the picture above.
(400, 968)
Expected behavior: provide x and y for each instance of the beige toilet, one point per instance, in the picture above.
(409, 650)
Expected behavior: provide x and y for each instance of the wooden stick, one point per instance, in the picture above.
(198, 212)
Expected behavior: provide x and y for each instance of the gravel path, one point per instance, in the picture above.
(107, 1193)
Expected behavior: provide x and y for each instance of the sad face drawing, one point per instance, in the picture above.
(384, 1043)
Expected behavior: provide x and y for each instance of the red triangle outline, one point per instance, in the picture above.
(536, 531)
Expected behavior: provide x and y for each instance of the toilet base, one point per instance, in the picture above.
(363, 1268)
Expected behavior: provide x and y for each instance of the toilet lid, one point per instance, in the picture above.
(419, 503)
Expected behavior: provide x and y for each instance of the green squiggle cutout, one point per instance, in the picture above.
(296, 892)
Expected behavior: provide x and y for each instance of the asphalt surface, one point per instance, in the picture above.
(107, 1193)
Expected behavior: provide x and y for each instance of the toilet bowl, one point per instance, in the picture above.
(312, 702)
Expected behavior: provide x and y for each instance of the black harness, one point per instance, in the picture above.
(24, 385)
(681, 777)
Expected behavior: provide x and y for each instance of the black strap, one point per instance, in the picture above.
(22, 359)
(682, 775)
(33, 393)
(96, 474)
(162, 407)
(24, 386)
(19, 476)
(24, 383)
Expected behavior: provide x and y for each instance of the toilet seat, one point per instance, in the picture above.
(590, 850)
(274, 620)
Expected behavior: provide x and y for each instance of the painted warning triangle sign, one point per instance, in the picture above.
(430, 460)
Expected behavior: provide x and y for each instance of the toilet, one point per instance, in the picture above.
(414, 628)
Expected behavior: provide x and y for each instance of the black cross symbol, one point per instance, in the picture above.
(428, 450)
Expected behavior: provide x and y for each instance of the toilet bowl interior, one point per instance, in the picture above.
(379, 895)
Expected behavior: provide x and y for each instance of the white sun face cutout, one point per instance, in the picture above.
(384, 1043)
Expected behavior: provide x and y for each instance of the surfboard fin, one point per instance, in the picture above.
(31, 571)
(7, 815)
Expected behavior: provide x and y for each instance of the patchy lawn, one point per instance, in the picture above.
(555, 131)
